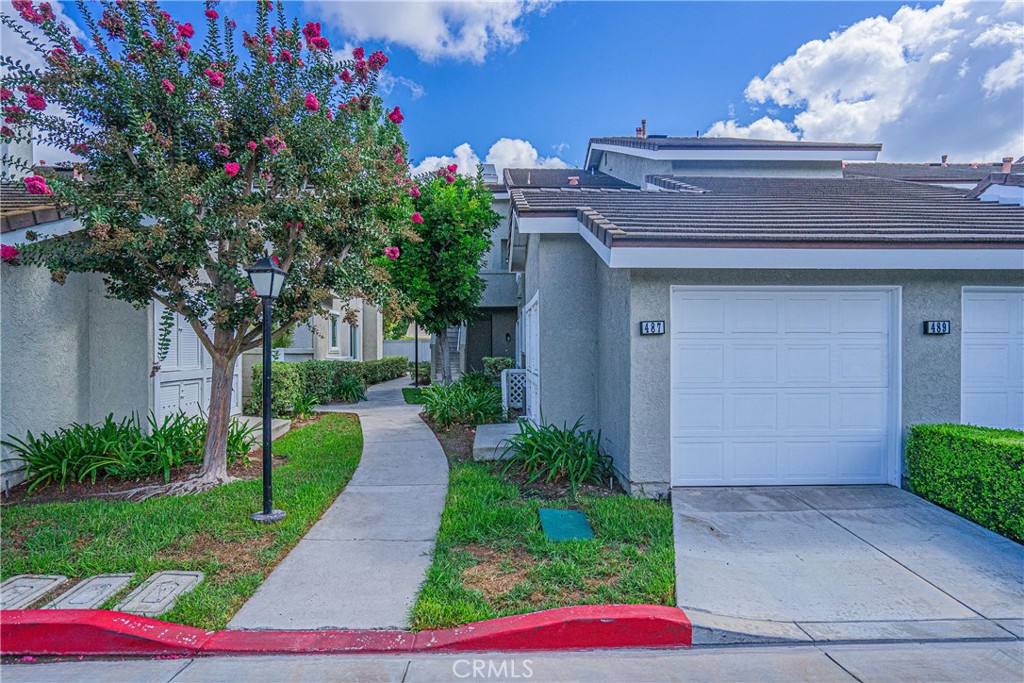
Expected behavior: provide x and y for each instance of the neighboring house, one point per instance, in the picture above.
(744, 312)
(961, 176)
(330, 336)
(69, 354)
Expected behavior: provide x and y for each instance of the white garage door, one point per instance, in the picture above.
(182, 383)
(782, 386)
(992, 377)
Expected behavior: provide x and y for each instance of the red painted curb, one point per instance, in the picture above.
(116, 634)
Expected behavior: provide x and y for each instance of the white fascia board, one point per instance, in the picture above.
(44, 231)
(772, 257)
(712, 154)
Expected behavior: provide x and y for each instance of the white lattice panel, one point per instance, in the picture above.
(513, 389)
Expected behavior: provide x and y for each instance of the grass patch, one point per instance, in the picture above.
(493, 560)
(210, 532)
(413, 395)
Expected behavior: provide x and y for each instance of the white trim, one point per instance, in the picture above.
(334, 332)
(772, 257)
(719, 154)
(894, 468)
(44, 231)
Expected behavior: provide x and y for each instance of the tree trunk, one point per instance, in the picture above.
(446, 359)
(215, 458)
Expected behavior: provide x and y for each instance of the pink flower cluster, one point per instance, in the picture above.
(24, 7)
(396, 116)
(9, 254)
(167, 86)
(414, 191)
(216, 78)
(314, 40)
(185, 31)
(183, 49)
(231, 169)
(448, 172)
(59, 58)
(36, 184)
(311, 102)
(416, 217)
(222, 149)
(211, 14)
(275, 144)
(79, 48)
(113, 23)
(391, 252)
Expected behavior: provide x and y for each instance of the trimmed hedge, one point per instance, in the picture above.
(976, 472)
(320, 379)
(493, 365)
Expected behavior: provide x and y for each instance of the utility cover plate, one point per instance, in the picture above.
(565, 525)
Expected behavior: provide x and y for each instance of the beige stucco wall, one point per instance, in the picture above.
(67, 354)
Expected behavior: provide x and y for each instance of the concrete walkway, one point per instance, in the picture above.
(840, 563)
(361, 565)
(968, 662)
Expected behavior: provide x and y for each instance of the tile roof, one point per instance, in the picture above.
(824, 212)
(559, 177)
(954, 173)
(657, 143)
(19, 209)
(1005, 179)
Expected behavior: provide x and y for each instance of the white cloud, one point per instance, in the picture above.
(505, 153)
(948, 79)
(387, 82)
(765, 128)
(458, 29)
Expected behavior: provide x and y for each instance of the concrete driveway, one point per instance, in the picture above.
(840, 563)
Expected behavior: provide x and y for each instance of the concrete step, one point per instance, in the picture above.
(278, 426)
(489, 442)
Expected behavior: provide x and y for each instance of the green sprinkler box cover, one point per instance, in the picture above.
(565, 525)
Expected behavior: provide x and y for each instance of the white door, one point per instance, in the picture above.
(182, 384)
(992, 357)
(783, 386)
(531, 325)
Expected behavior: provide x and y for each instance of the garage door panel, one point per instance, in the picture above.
(989, 362)
(701, 462)
(795, 389)
(808, 363)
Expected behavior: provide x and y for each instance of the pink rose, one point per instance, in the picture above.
(311, 102)
(416, 217)
(391, 252)
(232, 169)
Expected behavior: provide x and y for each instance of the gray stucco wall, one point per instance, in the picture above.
(67, 354)
(930, 364)
(632, 169)
(613, 364)
(568, 328)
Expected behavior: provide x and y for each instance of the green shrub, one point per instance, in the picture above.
(120, 449)
(476, 380)
(388, 367)
(976, 472)
(424, 371)
(493, 365)
(318, 379)
(558, 454)
(285, 388)
(303, 407)
(462, 403)
(351, 389)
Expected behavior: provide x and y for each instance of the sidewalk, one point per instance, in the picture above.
(361, 565)
(972, 662)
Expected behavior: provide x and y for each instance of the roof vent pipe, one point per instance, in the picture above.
(1007, 164)
(643, 127)
(945, 160)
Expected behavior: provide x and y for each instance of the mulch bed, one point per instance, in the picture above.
(249, 467)
(457, 441)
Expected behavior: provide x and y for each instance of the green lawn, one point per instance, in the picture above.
(413, 395)
(492, 558)
(209, 532)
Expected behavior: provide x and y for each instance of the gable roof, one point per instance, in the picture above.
(19, 209)
(559, 177)
(953, 173)
(764, 211)
(1004, 179)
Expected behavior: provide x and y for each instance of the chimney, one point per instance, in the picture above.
(1007, 164)
(945, 160)
(643, 127)
(574, 180)
(639, 132)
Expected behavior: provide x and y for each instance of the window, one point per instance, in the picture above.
(335, 334)
(353, 341)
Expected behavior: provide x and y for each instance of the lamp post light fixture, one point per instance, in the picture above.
(267, 279)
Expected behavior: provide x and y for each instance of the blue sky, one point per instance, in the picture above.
(925, 79)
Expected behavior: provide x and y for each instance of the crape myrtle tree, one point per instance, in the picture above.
(198, 159)
(438, 268)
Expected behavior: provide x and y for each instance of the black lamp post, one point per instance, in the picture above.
(267, 279)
